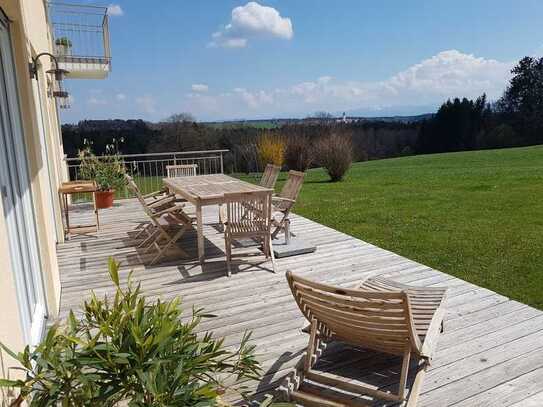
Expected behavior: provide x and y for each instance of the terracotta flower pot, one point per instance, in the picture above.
(104, 199)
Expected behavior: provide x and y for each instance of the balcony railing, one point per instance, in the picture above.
(149, 169)
(81, 39)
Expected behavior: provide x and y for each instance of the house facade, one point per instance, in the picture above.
(31, 169)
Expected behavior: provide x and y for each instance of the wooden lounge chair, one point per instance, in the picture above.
(269, 177)
(182, 170)
(379, 315)
(248, 216)
(283, 203)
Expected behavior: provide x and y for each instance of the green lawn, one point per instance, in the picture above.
(475, 215)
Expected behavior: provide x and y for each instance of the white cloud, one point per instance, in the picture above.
(120, 97)
(114, 10)
(249, 21)
(96, 101)
(430, 82)
(199, 88)
(147, 104)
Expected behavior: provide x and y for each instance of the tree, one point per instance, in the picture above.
(455, 126)
(180, 118)
(181, 129)
(323, 115)
(522, 102)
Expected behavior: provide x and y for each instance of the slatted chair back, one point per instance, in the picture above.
(248, 211)
(269, 178)
(181, 170)
(135, 190)
(379, 321)
(248, 216)
(292, 187)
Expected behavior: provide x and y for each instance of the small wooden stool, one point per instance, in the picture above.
(76, 187)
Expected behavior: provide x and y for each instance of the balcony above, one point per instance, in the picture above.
(81, 39)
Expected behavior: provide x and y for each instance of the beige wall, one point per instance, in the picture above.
(30, 36)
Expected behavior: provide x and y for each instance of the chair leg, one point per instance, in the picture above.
(143, 227)
(404, 373)
(164, 249)
(272, 255)
(228, 252)
(311, 347)
(287, 231)
(149, 240)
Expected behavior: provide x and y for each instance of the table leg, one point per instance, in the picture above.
(67, 213)
(200, 231)
(95, 211)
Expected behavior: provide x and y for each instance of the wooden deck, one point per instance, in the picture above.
(491, 353)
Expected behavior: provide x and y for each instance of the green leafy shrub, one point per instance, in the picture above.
(299, 153)
(63, 41)
(335, 154)
(127, 350)
(107, 171)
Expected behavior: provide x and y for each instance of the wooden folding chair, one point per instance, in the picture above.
(270, 175)
(169, 226)
(153, 202)
(181, 170)
(283, 203)
(248, 215)
(380, 315)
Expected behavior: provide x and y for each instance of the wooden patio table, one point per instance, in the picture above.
(77, 187)
(205, 190)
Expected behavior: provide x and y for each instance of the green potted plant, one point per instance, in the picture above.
(64, 46)
(125, 350)
(106, 171)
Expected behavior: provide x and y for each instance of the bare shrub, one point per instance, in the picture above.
(299, 153)
(271, 149)
(335, 154)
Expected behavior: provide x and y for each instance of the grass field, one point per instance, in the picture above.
(475, 215)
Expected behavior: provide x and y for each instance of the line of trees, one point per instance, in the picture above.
(515, 119)
(369, 139)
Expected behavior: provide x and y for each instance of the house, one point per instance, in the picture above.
(38, 44)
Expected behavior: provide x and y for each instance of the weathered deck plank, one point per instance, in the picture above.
(490, 353)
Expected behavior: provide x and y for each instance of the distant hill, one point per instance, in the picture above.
(273, 123)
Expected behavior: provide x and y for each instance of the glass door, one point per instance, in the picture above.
(16, 195)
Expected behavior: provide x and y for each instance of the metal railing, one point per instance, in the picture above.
(148, 170)
(80, 37)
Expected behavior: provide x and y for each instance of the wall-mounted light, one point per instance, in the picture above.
(58, 74)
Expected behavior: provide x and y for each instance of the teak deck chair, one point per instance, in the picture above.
(154, 199)
(269, 177)
(248, 215)
(380, 315)
(181, 170)
(167, 221)
(284, 202)
(169, 226)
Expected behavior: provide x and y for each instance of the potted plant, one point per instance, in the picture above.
(64, 46)
(129, 351)
(107, 171)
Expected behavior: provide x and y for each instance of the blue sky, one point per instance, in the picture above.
(237, 59)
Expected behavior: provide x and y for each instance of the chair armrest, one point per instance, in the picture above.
(280, 198)
(154, 194)
(175, 208)
(161, 201)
